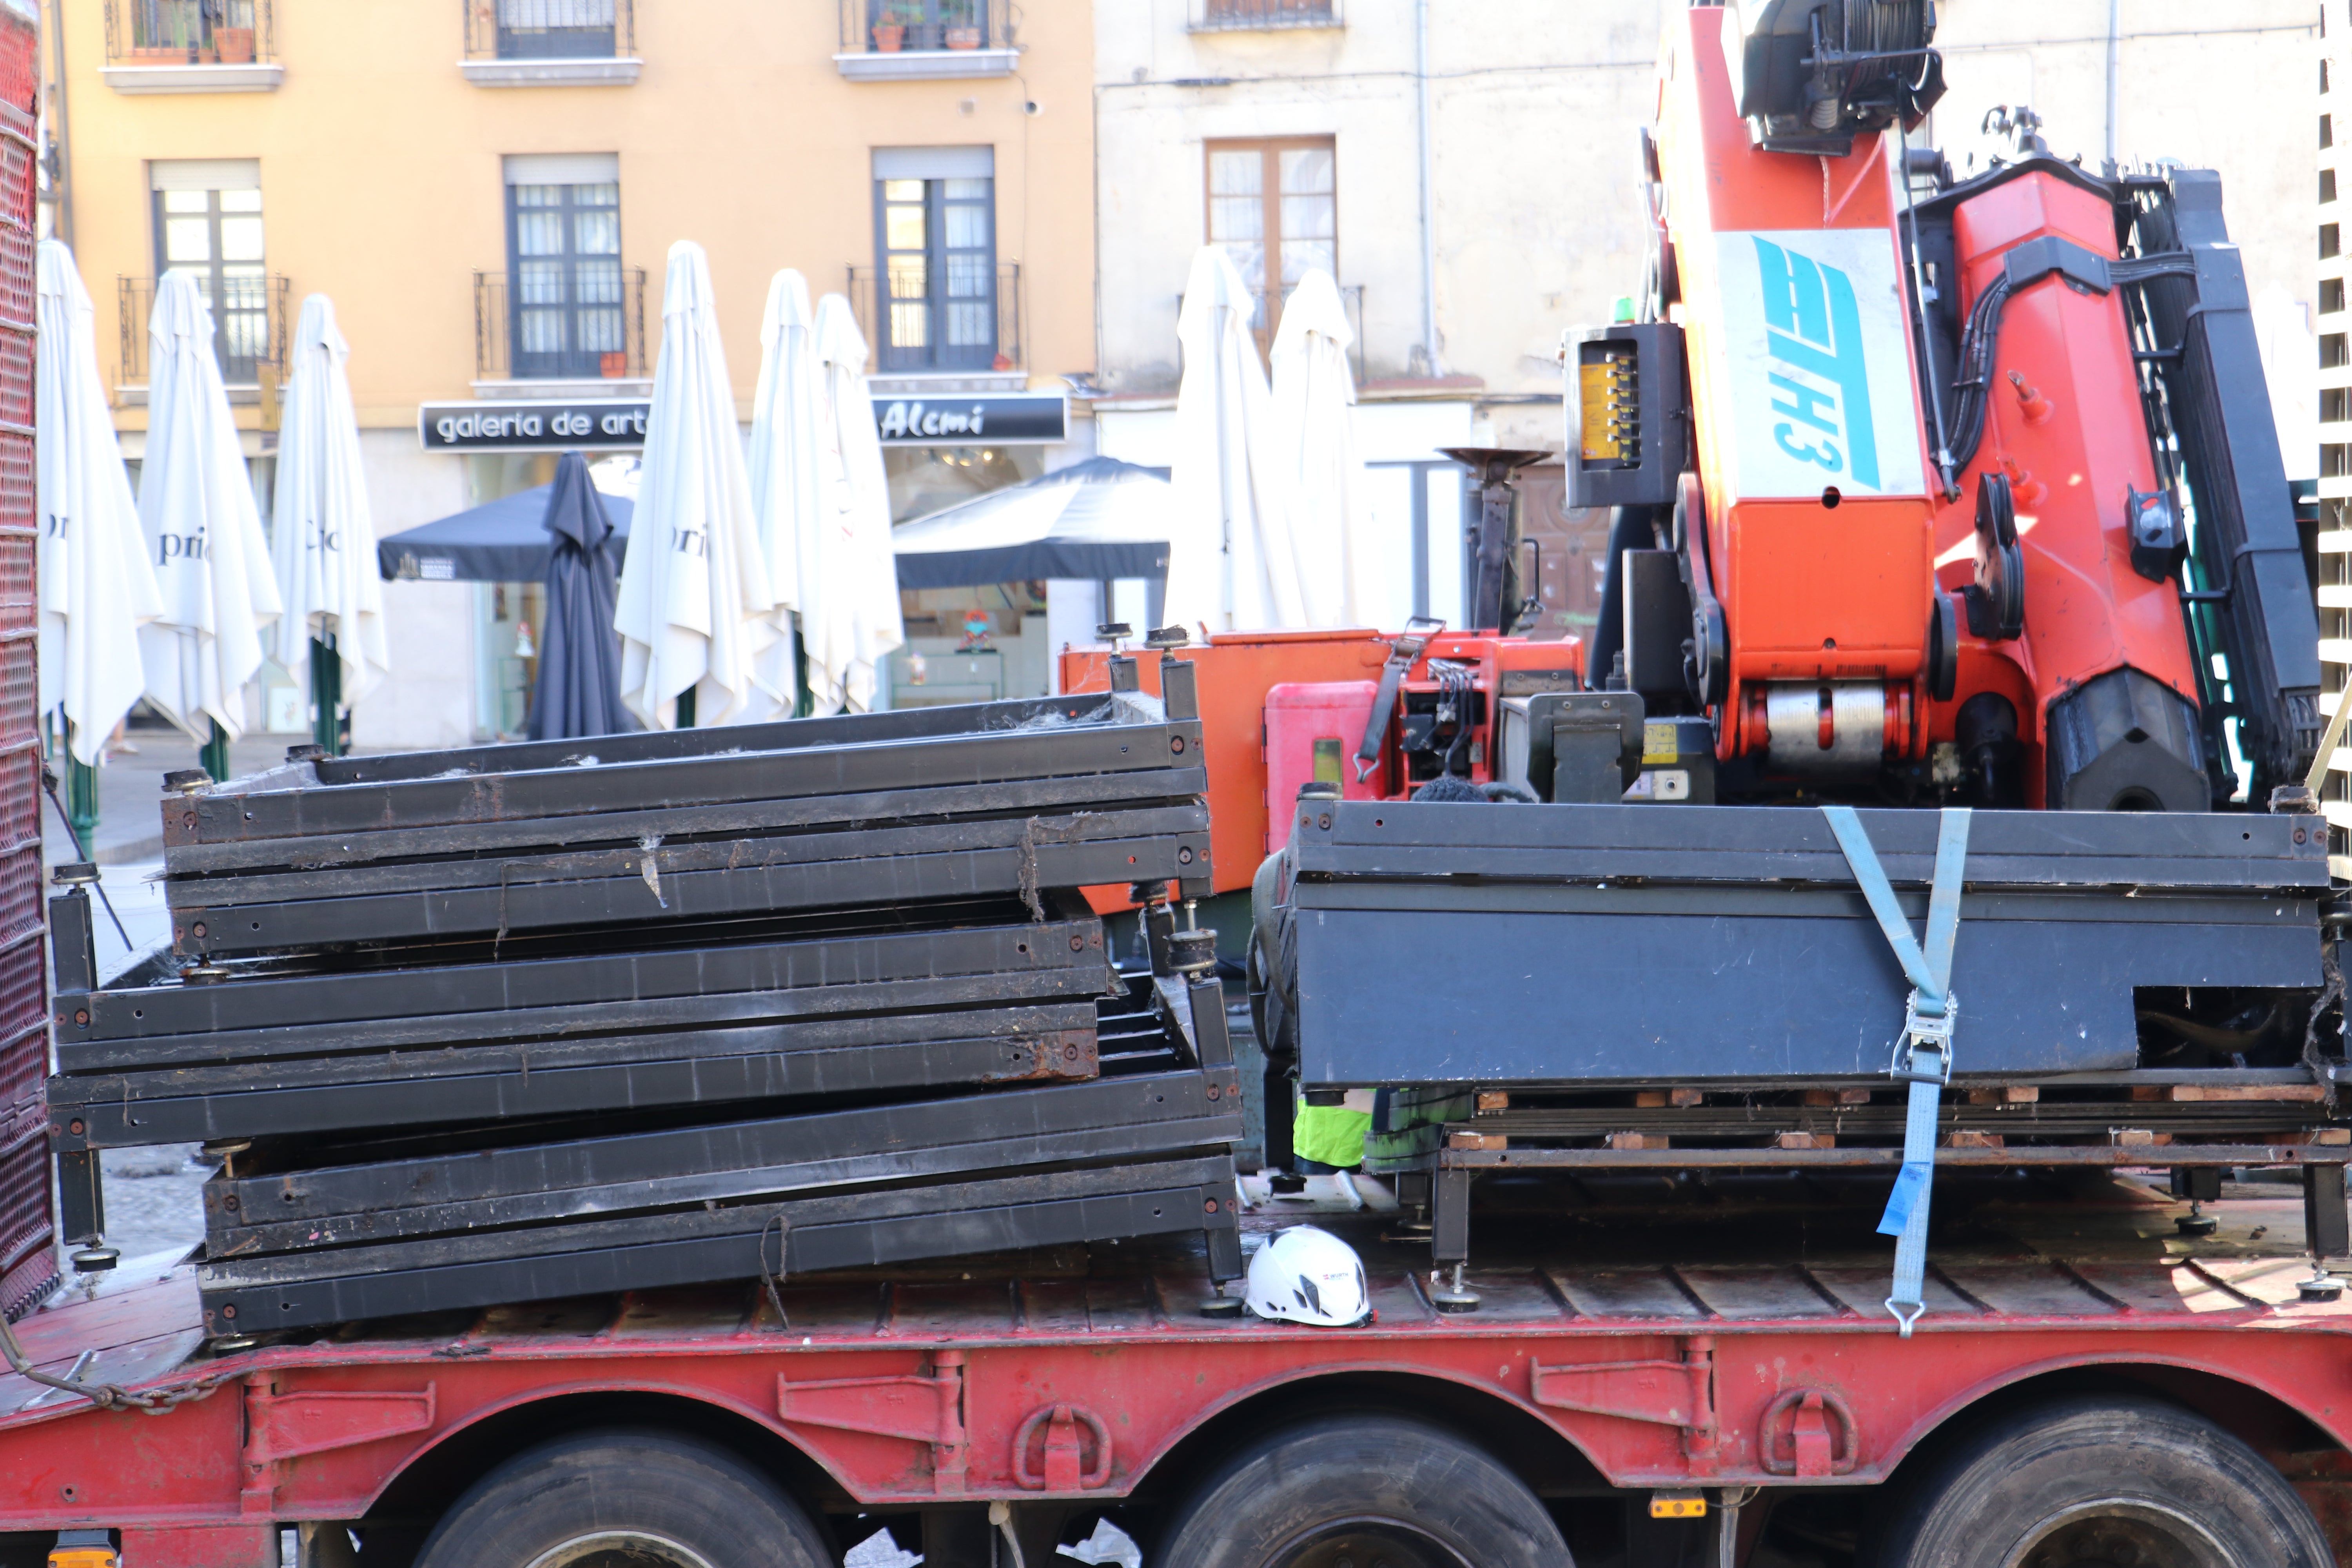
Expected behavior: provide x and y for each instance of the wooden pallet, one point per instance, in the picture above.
(1438, 1144)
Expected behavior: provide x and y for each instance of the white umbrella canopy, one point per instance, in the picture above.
(323, 544)
(787, 462)
(853, 622)
(1231, 564)
(694, 611)
(97, 587)
(1313, 421)
(202, 530)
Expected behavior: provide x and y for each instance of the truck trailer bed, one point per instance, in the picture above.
(1660, 1332)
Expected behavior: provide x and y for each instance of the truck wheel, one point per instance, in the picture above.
(2103, 1482)
(1365, 1490)
(624, 1499)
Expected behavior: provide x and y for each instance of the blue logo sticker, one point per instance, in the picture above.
(1814, 329)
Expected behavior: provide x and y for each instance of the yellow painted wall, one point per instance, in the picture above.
(382, 184)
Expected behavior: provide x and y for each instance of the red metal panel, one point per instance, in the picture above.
(202, 1546)
(990, 1401)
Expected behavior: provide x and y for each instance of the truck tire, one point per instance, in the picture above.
(2106, 1479)
(1367, 1490)
(641, 1497)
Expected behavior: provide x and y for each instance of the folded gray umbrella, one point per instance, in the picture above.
(502, 541)
(578, 693)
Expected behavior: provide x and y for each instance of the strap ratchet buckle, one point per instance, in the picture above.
(1924, 1032)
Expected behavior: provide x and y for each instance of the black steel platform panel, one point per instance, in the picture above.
(310, 1014)
(1167, 1197)
(653, 880)
(868, 1053)
(1118, 736)
(1565, 943)
(420, 1189)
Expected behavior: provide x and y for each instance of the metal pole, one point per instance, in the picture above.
(214, 757)
(2113, 8)
(326, 695)
(60, 177)
(1428, 222)
(1225, 487)
(81, 794)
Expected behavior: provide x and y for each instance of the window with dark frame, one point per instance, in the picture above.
(1272, 204)
(931, 23)
(556, 30)
(935, 240)
(564, 314)
(1267, 13)
(216, 235)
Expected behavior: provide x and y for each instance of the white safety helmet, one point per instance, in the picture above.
(1310, 1276)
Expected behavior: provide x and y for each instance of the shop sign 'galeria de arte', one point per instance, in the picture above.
(613, 424)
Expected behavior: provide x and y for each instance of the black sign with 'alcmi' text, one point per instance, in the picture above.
(1015, 419)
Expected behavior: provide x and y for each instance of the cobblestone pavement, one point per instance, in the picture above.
(155, 1199)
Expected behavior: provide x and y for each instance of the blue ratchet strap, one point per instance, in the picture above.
(1923, 1057)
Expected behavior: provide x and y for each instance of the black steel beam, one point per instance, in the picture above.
(663, 988)
(979, 758)
(782, 735)
(643, 886)
(802, 814)
(837, 1231)
(813, 1058)
(2086, 851)
(458, 1190)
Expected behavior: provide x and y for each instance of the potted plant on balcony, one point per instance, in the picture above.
(890, 28)
(233, 46)
(963, 23)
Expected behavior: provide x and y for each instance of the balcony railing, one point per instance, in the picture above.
(599, 335)
(249, 326)
(972, 333)
(1248, 16)
(914, 27)
(189, 32)
(550, 29)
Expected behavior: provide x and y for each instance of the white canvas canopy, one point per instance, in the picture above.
(787, 463)
(1231, 565)
(1313, 424)
(853, 622)
(696, 611)
(97, 587)
(202, 530)
(323, 544)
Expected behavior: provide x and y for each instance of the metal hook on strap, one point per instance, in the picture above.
(1923, 1056)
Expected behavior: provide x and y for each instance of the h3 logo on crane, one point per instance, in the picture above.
(1820, 379)
(1821, 392)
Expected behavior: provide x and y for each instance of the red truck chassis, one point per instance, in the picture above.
(1066, 1392)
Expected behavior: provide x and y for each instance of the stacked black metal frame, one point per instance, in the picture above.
(696, 1006)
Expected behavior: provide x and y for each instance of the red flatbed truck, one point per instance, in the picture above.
(2136, 1396)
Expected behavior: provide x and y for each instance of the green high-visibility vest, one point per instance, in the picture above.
(1330, 1134)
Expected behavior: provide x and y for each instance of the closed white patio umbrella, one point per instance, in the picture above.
(323, 544)
(97, 587)
(1330, 534)
(1231, 564)
(852, 622)
(787, 476)
(203, 530)
(695, 612)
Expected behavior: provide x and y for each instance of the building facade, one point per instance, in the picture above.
(487, 189)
